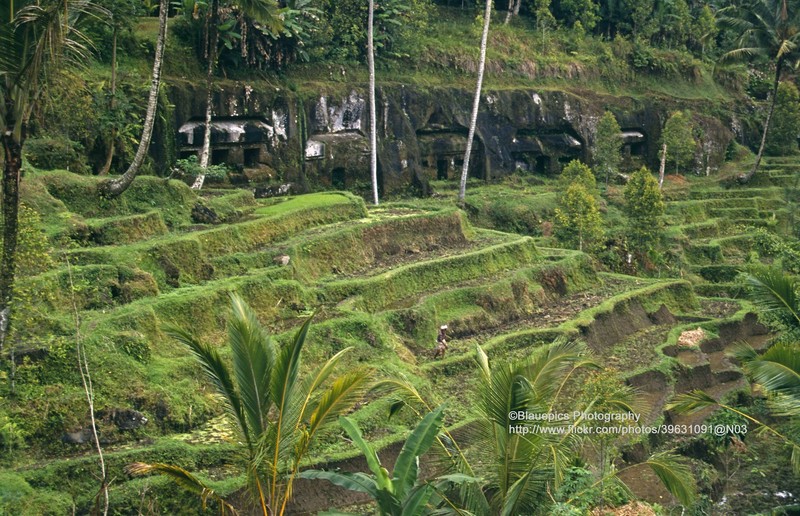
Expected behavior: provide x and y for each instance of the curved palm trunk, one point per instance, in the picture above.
(662, 166)
(373, 139)
(747, 177)
(487, 17)
(115, 187)
(213, 38)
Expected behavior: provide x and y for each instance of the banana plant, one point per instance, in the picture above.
(401, 492)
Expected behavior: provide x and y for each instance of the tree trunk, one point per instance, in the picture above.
(487, 18)
(112, 138)
(509, 12)
(213, 38)
(747, 177)
(115, 187)
(662, 166)
(373, 139)
(12, 151)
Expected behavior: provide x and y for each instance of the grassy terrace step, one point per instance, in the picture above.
(125, 229)
(716, 250)
(380, 292)
(731, 213)
(699, 230)
(480, 306)
(177, 260)
(734, 193)
(589, 324)
(356, 245)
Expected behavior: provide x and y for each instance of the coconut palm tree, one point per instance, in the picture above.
(116, 187)
(517, 471)
(528, 466)
(770, 29)
(276, 412)
(35, 38)
(487, 18)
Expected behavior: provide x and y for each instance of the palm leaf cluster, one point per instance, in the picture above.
(276, 412)
(766, 28)
(35, 38)
(775, 294)
(527, 468)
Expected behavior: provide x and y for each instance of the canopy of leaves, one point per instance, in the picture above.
(644, 206)
(577, 218)
(679, 139)
(607, 144)
(578, 172)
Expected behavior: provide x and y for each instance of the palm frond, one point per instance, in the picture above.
(778, 369)
(287, 405)
(689, 402)
(185, 480)
(340, 396)
(775, 292)
(676, 476)
(253, 360)
(219, 375)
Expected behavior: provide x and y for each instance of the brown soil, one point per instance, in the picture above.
(629, 509)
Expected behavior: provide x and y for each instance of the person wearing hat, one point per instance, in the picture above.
(441, 343)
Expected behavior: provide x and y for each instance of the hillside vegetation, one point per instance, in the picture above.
(597, 287)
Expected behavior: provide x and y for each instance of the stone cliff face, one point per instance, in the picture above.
(322, 141)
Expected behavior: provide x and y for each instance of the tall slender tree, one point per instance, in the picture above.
(770, 29)
(487, 18)
(116, 187)
(373, 139)
(35, 37)
(607, 145)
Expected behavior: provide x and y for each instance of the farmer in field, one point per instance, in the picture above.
(441, 343)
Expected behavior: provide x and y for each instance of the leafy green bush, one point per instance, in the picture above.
(57, 152)
(343, 31)
(190, 168)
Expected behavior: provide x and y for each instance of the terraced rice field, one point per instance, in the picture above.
(381, 280)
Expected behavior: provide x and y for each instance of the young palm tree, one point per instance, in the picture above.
(487, 18)
(768, 28)
(527, 467)
(277, 414)
(116, 187)
(35, 37)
